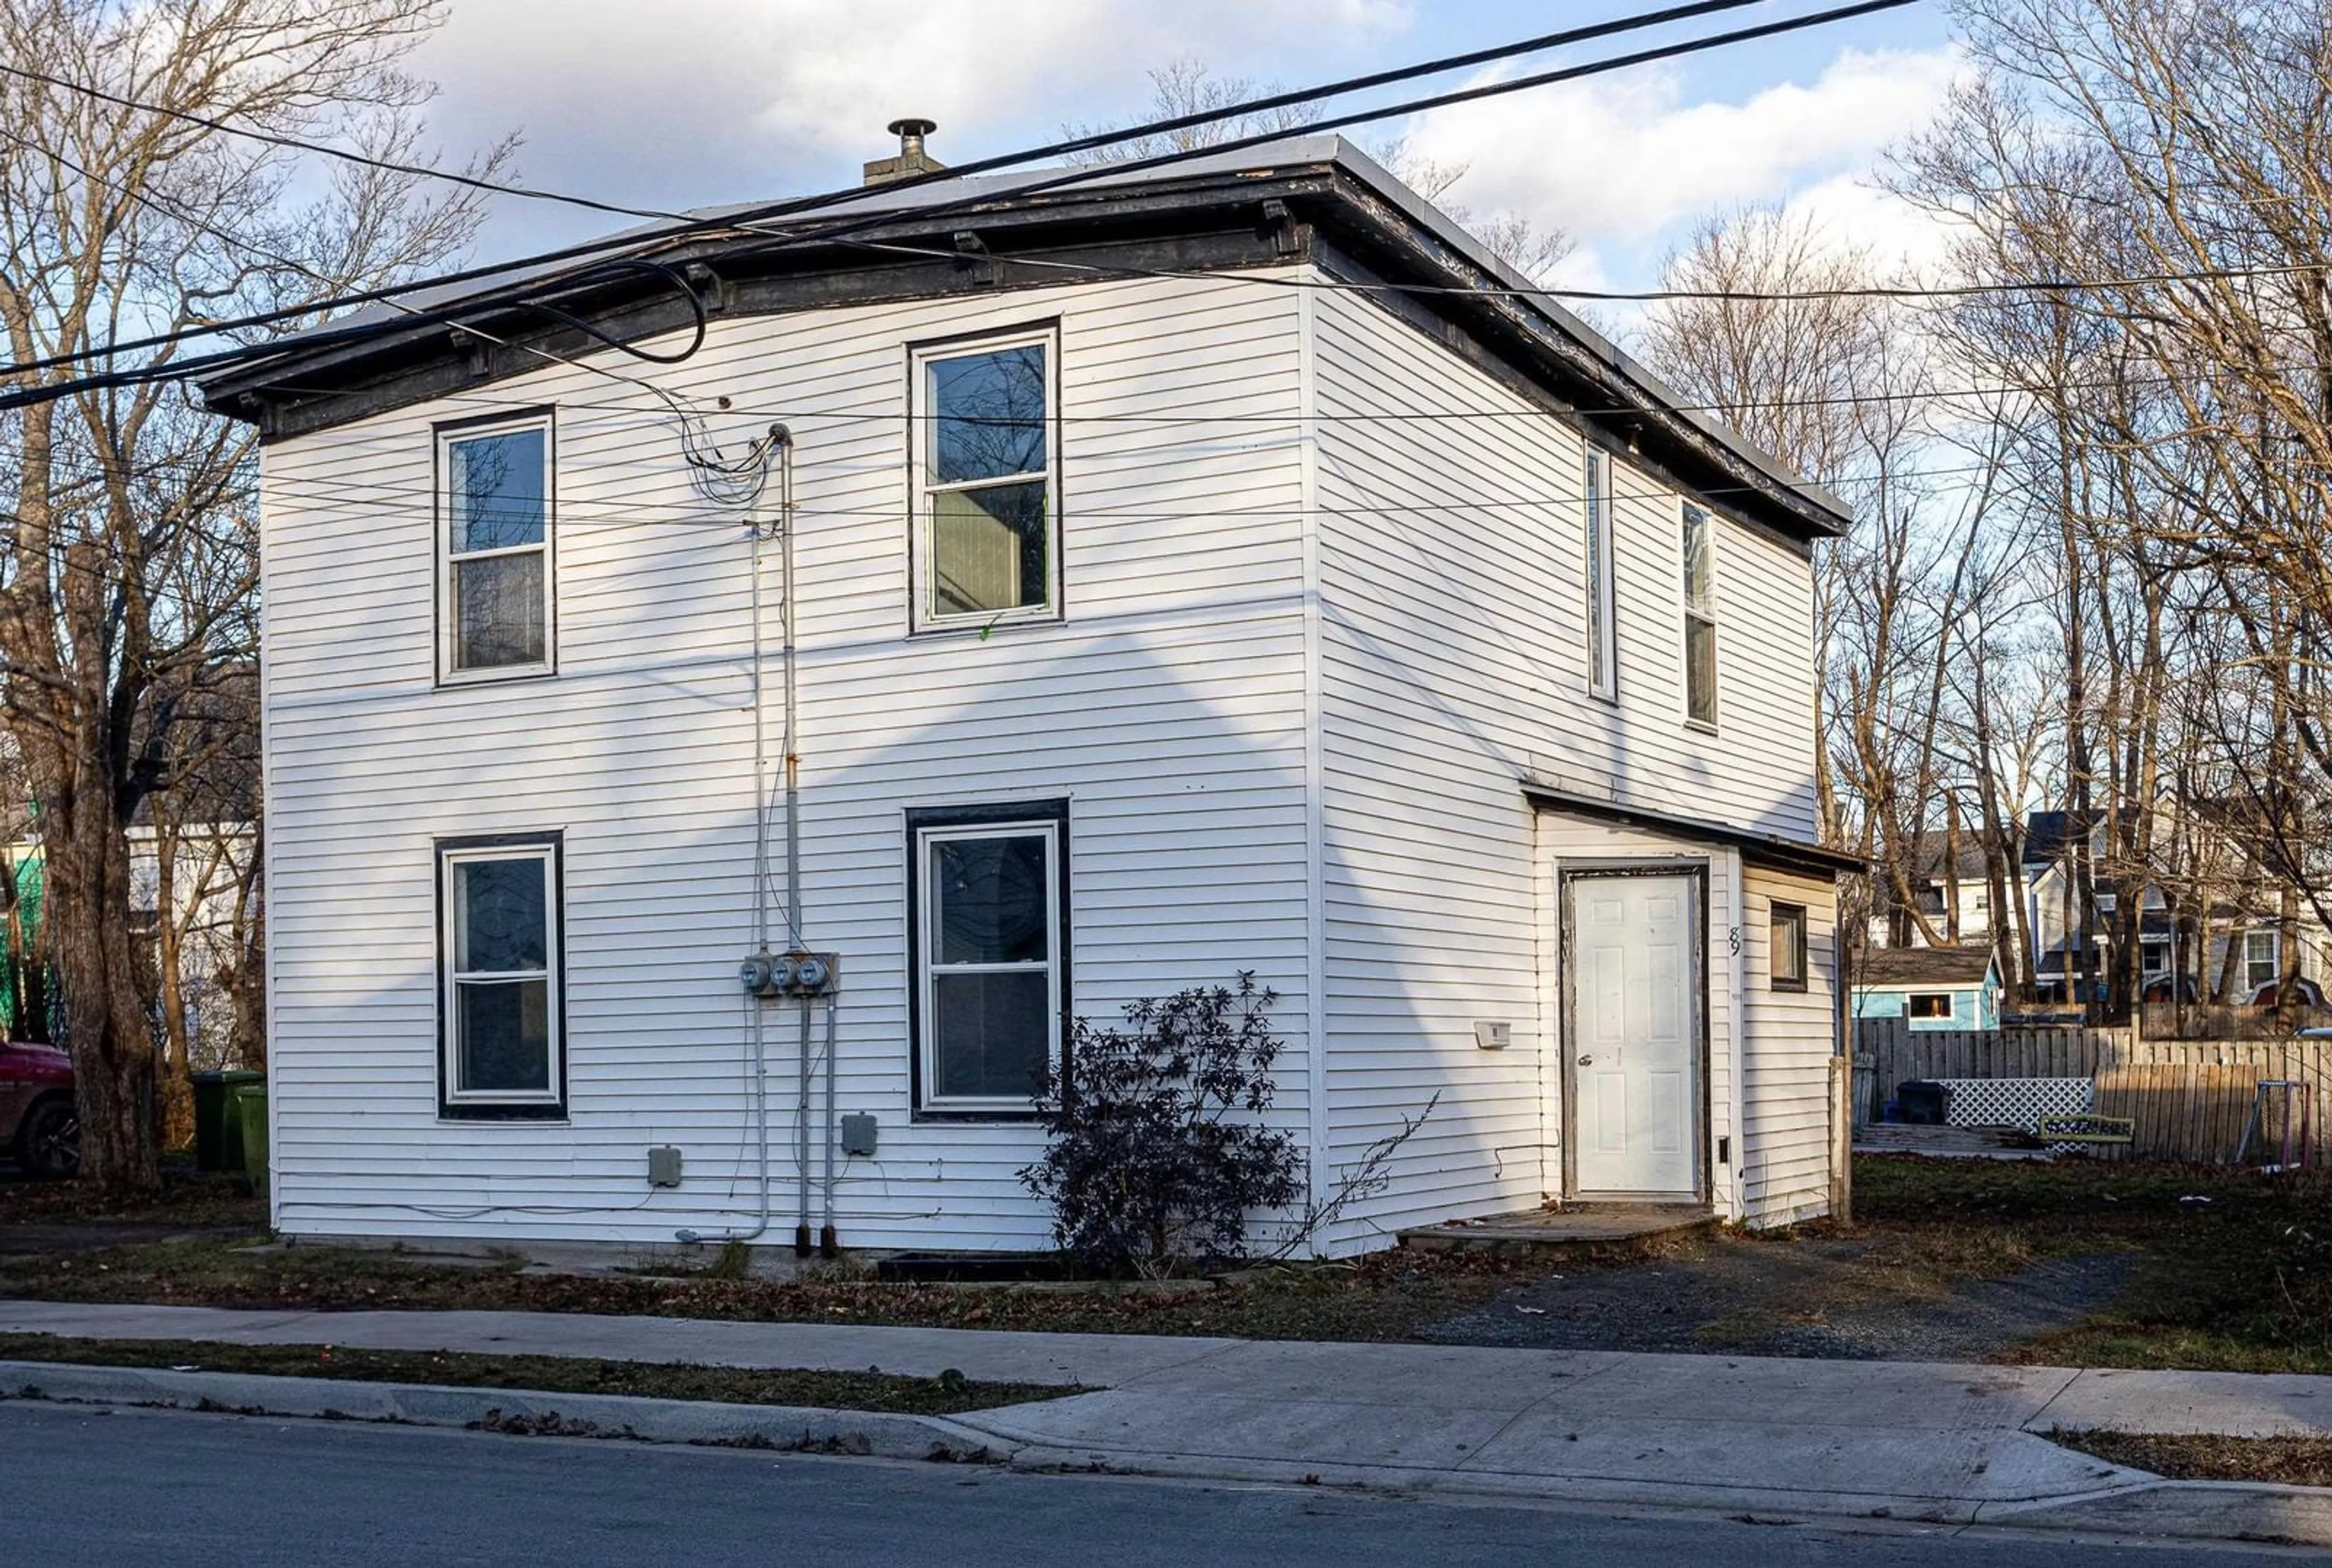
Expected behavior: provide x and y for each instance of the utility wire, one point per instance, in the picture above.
(1637, 296)
(1086, 142)
(754, 219)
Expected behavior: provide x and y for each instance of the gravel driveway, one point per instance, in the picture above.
(1810, 1296)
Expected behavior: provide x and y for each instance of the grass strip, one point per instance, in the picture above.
(950, 1393)
(2185, 1457)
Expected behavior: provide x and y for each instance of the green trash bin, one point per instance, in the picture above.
(218, 1133)
(248, 1112)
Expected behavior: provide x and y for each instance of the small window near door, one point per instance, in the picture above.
(990, 945)
(1931, 1004)
(1788, 950)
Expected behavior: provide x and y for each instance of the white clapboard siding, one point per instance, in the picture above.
(1170, 708)
(1454, 665)
(1792, 1036)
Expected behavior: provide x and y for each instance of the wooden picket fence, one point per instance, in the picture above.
(2224, 1022)
(2189, 1099)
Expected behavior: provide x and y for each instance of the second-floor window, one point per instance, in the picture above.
(494, 543)
(987, 481)
(1699, 615)
(1603, 648)
(2263, 958)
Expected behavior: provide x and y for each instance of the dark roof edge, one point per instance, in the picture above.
(1765, 849)
(1420, 240)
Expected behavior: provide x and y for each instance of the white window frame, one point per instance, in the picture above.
(1704, 612)
(2274, 939)
(450, 857)
(449, 631)
(927, 969)
(1951, 1006)
(923, 430)
(1600, 585)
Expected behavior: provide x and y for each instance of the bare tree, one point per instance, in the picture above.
(129, 602)
(1186, 86)
(2155, 174)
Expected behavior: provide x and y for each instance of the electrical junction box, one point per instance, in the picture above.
(1494, 1036)
(663, 1167)
(858, 1133)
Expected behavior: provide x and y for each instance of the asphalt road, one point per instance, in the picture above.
(147, 1486)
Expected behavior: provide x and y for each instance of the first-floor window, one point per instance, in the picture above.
(500, 1004)
(1787, 958)
(990, 942)
(1931, 1004)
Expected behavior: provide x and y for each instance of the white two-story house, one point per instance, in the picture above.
(1099, 590)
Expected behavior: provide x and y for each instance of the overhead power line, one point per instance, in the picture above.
(1067, 147)
(754, 219)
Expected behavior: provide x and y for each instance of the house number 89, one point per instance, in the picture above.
(1732, 937)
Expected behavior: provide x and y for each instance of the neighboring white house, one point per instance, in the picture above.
(1217, 568)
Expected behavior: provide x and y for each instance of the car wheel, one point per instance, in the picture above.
(50, 1144)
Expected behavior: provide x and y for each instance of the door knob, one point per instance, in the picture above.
(1586, 1061)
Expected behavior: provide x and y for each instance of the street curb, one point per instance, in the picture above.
(515, 1411)
(2186, 1510)
(2253, 1511)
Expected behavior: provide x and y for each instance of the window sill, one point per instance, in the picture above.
(449, 679)
(981, 626)
(536, 1116)
(1607, 695)
(943, 1114)
(1795, 988)
(1700, 726)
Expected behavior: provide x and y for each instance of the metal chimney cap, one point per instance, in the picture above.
(910, 131)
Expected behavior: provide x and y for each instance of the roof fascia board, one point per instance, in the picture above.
(1765, 849)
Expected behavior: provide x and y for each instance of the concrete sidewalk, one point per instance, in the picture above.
(1938, 1442)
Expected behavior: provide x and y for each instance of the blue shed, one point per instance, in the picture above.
(1936, 988)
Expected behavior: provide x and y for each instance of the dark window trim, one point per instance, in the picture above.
(918, 819)
(1774, 979)
(920, 623)
(1949, 998)
(442, 674)
(554, 840)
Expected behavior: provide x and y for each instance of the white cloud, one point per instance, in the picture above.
(691, 102)
(1618, 159)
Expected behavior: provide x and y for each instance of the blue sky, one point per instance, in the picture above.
(685, 102)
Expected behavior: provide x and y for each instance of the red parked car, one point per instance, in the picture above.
(39, 1123)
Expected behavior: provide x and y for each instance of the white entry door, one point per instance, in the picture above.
(1635, 1035)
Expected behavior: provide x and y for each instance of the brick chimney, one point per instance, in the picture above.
(912, 160)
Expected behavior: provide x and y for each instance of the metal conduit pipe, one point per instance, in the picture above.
(828, 1245)
(791, 752)
(781, 443)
